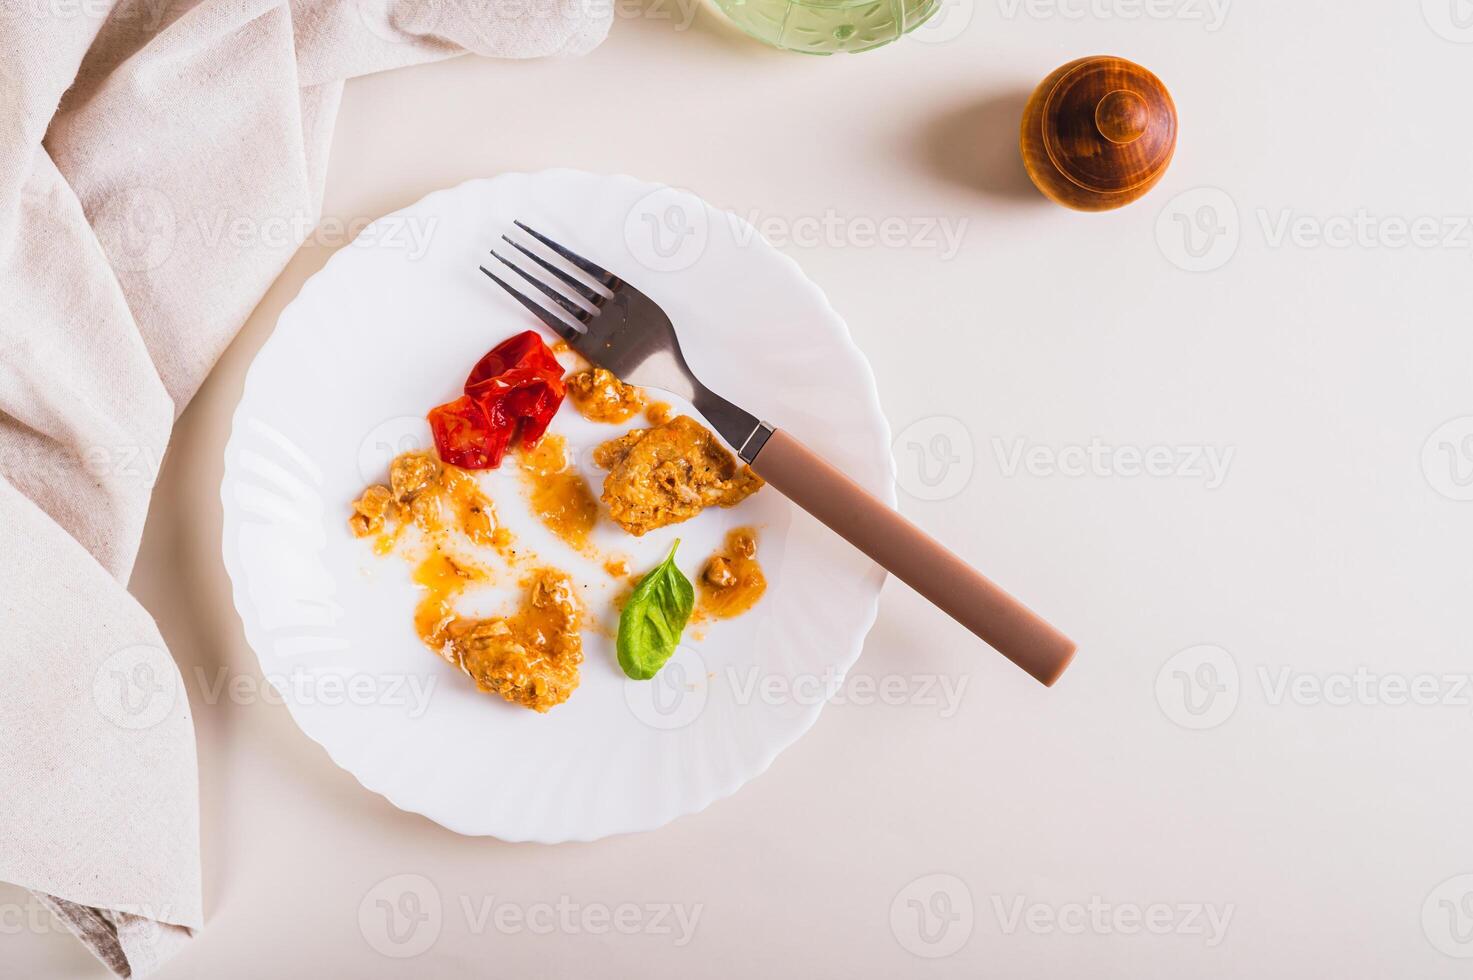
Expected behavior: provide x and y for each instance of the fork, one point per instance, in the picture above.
(628, 334)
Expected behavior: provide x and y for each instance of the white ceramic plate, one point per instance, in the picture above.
(387, 330)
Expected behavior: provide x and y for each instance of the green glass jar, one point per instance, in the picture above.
(826, 26)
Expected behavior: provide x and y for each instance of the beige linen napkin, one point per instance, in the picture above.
(134, 137)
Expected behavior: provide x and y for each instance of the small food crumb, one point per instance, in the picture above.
(370, 510)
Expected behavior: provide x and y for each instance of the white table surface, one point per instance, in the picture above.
(1053, 825)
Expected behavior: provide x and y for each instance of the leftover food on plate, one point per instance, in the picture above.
(443, 577)
(531, 657)
(516, 388)
(433, 497)
(601, 397)
(670, 473)
(660, 475)
(558, 493)
(732, 580)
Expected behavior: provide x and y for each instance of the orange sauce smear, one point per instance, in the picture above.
(731, 581)
(443, 578)
(560, 496)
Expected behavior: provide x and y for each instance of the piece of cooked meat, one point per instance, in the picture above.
(411, 472)
(601, 397)
(530, 658)
(435, 497)
(732, 581)
(371, 510)
(718, 573)
(670, 473)
(607, 455)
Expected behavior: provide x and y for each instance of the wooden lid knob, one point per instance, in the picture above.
(1122, 116)
(1098, 133)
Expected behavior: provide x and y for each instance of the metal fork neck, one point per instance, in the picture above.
(742, 430)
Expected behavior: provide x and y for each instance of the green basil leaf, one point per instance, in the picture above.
(653, 618)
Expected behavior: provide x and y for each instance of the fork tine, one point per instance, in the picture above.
(551, 319)
(572, 282)
(574, 310)
(604, 276)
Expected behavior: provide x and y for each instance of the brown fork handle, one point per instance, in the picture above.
(914, 557)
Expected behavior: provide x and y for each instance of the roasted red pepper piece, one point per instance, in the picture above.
(516, 386)
(465, 438)
(524, 355)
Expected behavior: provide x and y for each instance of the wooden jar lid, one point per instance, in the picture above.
(1104, 125)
